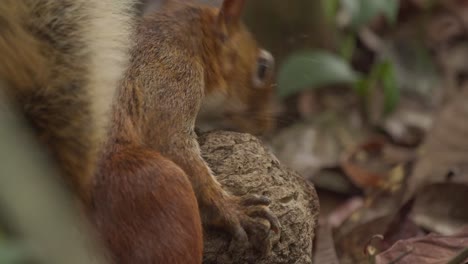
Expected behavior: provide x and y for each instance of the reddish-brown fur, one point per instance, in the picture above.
(145, 208)
(62, 58)
(182, 54)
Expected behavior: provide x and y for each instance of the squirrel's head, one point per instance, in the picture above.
(239, 93)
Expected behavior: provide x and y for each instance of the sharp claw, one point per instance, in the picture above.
(255, 200)
(250, 223)
(275, 224)
(263, 212)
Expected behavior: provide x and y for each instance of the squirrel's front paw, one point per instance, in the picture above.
(249, 219)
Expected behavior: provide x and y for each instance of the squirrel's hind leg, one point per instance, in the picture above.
(145, 209)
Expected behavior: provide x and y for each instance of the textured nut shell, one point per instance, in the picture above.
(244, 166)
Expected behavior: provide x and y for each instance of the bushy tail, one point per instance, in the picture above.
(62, 60)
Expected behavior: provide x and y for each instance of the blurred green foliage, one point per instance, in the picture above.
(331, 8)
(363, 11)
(13, 253)
(313, 69)
(382, 75)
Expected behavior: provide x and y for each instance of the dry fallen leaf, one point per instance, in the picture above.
(352, 239)
(336, 218)
(381, 215)
(377, 165)
(444, 155)
(313, 148)
(431, 249)
(441, 208)
(375, 218)
(364, 165)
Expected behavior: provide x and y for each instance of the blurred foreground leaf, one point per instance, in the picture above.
(13, 253)
(312, 69)
(34, 202)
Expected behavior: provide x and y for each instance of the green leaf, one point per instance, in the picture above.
(381, 75)
(353, 9)
(390, 8)
(363, 11)
(390, 86)
(312, 69)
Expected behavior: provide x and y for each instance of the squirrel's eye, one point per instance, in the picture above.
(262, 68)
(265, 64)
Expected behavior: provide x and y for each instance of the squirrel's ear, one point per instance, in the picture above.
(230, 13)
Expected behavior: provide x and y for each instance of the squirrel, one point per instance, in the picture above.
(114, 98)
(183, 53)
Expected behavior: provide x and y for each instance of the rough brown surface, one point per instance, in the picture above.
(244, 166)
